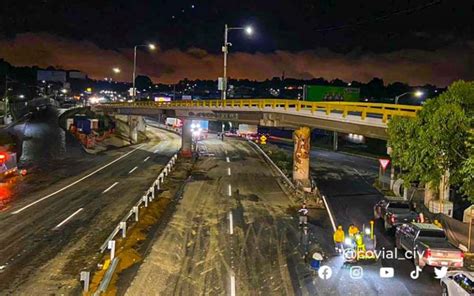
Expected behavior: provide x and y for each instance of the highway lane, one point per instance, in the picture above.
(45, 242)
(347, 182)
(231, 233)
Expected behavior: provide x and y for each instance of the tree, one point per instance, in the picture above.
(143, 82)
(439, 139)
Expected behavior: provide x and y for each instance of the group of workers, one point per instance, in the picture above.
(356, 238)
(354, 234)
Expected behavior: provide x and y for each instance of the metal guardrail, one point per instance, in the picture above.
(122, 225)
(386, 111)
(288, 181)
(107, 278)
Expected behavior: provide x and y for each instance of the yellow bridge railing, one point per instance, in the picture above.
(385, 111)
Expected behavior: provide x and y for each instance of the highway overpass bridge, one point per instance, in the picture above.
(367, 119)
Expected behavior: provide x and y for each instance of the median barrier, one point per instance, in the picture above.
(143, 201)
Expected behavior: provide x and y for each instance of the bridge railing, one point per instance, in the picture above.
(385, 111)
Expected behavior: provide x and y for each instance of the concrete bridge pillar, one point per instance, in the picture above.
(133, 123)
(186, 139)
(301, 137)
(335, 141)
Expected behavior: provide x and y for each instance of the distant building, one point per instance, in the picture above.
(74, 74)
(51, 76)
(59, 75)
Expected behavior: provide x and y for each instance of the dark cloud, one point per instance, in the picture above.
(439, 67)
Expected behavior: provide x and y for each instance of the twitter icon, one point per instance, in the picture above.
(441, 272)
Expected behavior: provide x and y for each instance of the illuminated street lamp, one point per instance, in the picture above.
(116, 70)
(150, 46)
(417, 94)
(225, 49)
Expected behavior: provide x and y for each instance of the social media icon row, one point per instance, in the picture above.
(357, 272)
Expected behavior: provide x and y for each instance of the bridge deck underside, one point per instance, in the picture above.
(372, 126)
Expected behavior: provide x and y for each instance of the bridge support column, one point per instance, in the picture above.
(301, 137)
(186, 139)
(335, 141)
(133, 129)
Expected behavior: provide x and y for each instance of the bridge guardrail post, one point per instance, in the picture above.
(345, 111)
(135, 211)
(85, 277)
(152, 193)
(123, 227)
(111, 247)
(145, 200)
(328, 110)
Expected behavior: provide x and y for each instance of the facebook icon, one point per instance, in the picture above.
(325, 272)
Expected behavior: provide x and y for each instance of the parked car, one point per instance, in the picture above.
(394, 213)
(458, 283)
(429, 245)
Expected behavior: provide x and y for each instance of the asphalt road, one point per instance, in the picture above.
(234, 232)
(347, 181)
(49, 235)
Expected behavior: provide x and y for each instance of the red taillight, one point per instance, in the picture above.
(3, 157)
(427, 253)
(393, 218)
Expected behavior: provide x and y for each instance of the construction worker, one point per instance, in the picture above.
(339, 239)
(303, 212)
(437, 223)
(359, 240)
(353, 230)
(305, 242)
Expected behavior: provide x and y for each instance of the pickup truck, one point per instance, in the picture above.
(394, 213)
(429, 245)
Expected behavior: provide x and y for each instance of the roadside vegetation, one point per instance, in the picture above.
(439, 140)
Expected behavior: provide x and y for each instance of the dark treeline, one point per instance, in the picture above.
(23, 79)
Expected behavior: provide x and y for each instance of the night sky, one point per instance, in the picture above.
(353, 40)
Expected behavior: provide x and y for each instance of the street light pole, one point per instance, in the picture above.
(417, 94)
(151, 46)
(399, 96)
(225, 50)
(134, 91)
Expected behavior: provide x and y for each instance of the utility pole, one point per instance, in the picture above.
(225, 50)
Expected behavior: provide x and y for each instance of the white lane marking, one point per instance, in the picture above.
(360, 175)
(228, 171)
(232, 285)
(146, 159)
(111, 186)
(68, 218)
(75, 182)
(230, 190)
(132, 170)
(329, 212)
(231, 223)
(227, 159)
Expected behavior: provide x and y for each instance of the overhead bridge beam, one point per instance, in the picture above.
(368, 119)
